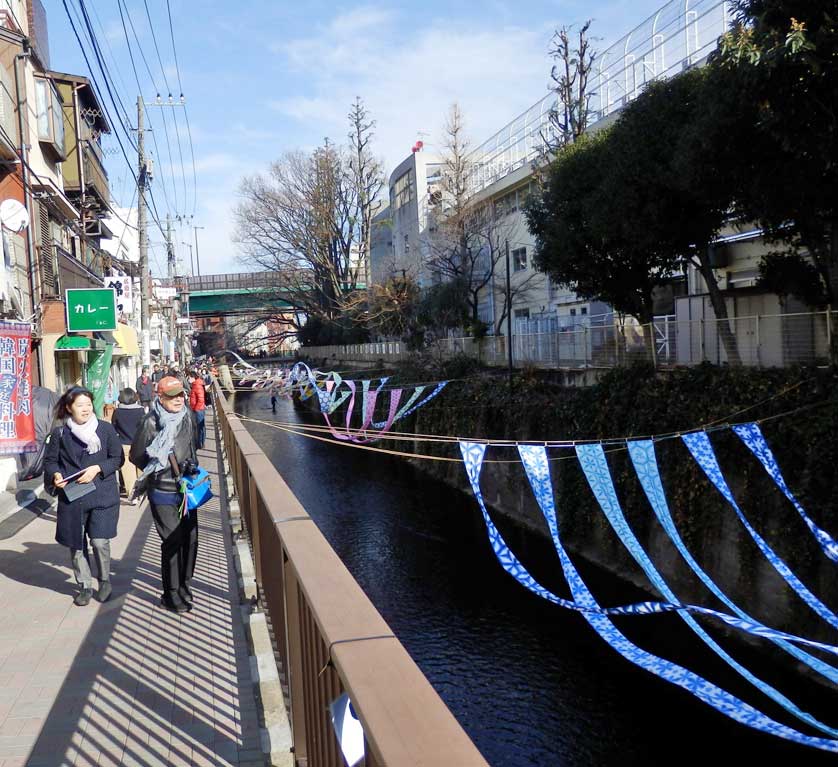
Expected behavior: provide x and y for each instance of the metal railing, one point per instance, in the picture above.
(680, 34)
(329, 638)
(767, 340)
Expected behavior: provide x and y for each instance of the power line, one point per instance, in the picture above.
(158, 154)
(124, 5)
(169, 91)
(185, 112)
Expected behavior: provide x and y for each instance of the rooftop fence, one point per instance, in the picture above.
(682, 33)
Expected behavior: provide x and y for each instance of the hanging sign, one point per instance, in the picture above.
(121, 283)
(98, 369)
(90, 309)
(17, 426)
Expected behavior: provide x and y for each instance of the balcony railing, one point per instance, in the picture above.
(329, 639)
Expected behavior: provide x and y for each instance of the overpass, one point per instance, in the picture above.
(213, 295)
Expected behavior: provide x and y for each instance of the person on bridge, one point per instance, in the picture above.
(81, 454)
(197, 403)
(164, 449)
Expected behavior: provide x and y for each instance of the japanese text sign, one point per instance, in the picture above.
(121, 283)
(90, 309)
(17, 426)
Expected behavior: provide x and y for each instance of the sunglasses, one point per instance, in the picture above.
(174, 396)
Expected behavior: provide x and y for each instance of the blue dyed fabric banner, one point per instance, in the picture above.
(752, 436)
(535, 463)
(644, 460)
(698, 443)
(595, 467)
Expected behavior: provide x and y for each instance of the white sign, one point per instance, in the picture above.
(124, 288)
(182, 321)
(164, 294)
(348, 729)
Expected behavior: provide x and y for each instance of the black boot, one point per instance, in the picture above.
(173, 603)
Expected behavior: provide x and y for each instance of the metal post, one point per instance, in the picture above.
(756, 336)
(145, 336)
(508, 316)
(170, 251)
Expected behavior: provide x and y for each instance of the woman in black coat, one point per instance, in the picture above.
(126, 419)
(90, 448)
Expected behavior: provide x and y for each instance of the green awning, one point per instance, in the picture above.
(69, 343)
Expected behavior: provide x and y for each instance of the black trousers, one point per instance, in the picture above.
(178, 547)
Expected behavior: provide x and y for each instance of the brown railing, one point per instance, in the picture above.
(329, 637)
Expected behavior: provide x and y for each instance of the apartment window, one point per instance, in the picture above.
(50, 115)
(583, 311)
(403, 189)
(573, 312)
(506, 204)
(406, 244)
(519, 259)
(522, 314)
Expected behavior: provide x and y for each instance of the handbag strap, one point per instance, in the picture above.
(175, 467)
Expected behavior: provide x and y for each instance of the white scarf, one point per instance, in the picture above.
(86, 432)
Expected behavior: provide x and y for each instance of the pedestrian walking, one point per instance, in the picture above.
(156, 375)
(126, 420)
(164, 449)
(197, 403)
(145, 388)
(80, 465)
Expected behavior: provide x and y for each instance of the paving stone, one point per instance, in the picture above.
(125, 683)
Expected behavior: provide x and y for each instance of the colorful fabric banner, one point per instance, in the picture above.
(98, 370)
(751, 435)
(644, 460)
(17, 424)
(534, 458)
(595, 467)
(698, 443)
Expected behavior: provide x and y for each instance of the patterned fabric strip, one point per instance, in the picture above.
(595, 467)
(752, 436)
(698, 443)
(534, 458)
(642, 454)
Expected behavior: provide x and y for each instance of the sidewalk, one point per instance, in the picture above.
(124, 683)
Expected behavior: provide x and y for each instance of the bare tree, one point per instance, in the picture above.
(368, 177)
(573, 62)
(309, 219)
(469, 235)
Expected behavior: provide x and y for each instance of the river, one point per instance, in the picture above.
(532, 684)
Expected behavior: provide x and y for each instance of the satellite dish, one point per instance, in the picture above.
(13, 216)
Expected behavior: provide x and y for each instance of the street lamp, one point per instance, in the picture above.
(197, 256)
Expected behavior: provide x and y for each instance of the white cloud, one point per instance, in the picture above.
(409, 83)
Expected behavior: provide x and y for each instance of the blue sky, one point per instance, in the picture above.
(263, 77)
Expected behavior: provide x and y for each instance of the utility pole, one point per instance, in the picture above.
(197, 255)
(170, 251)
(145, 334)
(508, 316)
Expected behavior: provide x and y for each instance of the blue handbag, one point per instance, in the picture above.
(197, 488)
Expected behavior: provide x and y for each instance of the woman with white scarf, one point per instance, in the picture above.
(80, 464)
(162, 448)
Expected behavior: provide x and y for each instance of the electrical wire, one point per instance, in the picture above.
(169, 90)
(122, 17)
(185, 112)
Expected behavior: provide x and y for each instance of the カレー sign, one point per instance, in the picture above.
(90, 309)
(17, 426)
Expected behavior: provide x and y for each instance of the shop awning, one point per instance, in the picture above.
(69, 343)
(126, 341)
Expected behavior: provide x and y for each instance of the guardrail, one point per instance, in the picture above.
(776, 340)
(329, 638)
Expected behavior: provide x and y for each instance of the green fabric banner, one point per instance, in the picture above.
(98, 369)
